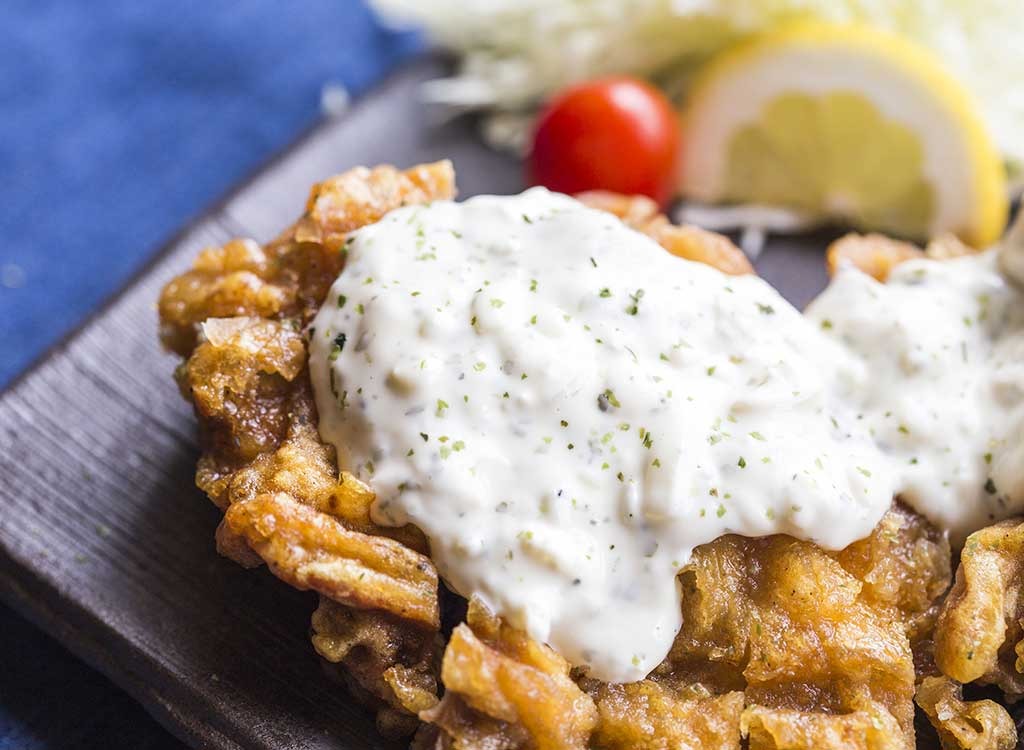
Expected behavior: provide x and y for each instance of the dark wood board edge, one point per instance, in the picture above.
(90, 639)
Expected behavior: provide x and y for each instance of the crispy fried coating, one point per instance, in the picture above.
(791, 729)
(653, 715)
(520, 689)
(311, 550)
(965, 725)
(243, 382)
(812, 646)
(904, 567)
(289, 277)
(979, 635)
(874, 254)
(305, 468)
(393, 663)
(689, 242)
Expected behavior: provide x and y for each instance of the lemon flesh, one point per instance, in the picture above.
(847, 123)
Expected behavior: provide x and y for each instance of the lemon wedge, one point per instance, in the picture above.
(848, 123)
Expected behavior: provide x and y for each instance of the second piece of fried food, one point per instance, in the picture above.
(979, 635)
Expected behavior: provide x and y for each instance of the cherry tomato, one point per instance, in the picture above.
(617, 134)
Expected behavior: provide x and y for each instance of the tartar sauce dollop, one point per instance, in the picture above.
(567, 410)
(937, 376)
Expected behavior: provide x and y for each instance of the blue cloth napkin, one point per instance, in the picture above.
(119, 121)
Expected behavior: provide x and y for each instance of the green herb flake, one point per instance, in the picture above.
(742, 463)
(495, 302)
(480, 366)
(441, 406)
(636, 297)
(337, 348)
(758, 436)
(826, 325)
(342, 299)
(360, 309)
(607, 399)
(605, 293)
(721, 510)
(533, 285)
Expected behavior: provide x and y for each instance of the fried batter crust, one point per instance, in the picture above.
(520, 690)
(876, 255)
(290, 276)
(311, 550)
(394, 666)
(965, 725)
(979, 635)
(783, 619)
(689, 242)
(654, 715)
(782, 641)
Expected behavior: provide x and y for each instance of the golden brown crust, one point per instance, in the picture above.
(873, 728)
(652, 715)
(784, 621)
(978, 636)
(289, 277)
(393, 663)
(311, 550)
(965, 725)
(876, 255)
(520, 689)
(689, 242)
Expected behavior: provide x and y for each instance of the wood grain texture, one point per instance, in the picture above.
(104, 540)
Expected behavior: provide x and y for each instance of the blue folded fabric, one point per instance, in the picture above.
(119, 121)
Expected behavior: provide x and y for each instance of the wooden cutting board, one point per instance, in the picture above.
(105, 542)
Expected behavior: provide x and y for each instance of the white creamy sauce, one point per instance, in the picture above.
(567, 410)
(937, 376)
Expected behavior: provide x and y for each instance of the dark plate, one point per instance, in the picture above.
(105, 542)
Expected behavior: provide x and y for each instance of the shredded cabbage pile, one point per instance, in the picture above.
(514, 53)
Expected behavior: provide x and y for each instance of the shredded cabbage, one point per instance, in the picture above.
(514, 53)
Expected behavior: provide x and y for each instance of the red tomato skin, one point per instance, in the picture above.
(618, 133)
